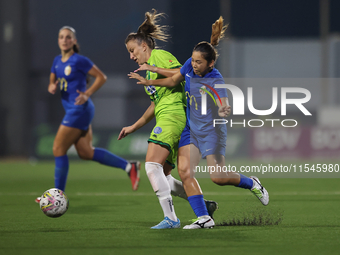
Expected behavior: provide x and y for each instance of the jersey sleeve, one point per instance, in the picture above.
(186, 67)
(84, 64)
(220, 91)
(53, 65)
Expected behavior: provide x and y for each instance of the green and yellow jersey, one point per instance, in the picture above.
(169, 105)
(171, 99)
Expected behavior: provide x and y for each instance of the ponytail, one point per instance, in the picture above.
(218, 31)
(207, 49)
(149, 31)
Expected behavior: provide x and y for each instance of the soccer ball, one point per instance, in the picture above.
(54, 203)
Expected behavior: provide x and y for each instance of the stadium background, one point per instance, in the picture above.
(266, 39)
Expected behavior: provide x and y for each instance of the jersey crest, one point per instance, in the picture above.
(68, 70)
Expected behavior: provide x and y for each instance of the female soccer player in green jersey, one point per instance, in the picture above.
(167, 105)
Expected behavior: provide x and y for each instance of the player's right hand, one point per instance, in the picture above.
(125, 131)
(52, 87)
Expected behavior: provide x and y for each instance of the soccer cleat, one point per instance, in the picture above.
(167, 223)
(37, 200)
(134, 174)
(201, 222)
(259, 191)
(212, 206)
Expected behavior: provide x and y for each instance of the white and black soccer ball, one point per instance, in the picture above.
(54, 203)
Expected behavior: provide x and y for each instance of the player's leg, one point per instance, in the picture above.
(63, 140)
(155, 159)
(176, 186)
(87, 152)
(188, 157)
(178, 190)
(232, 178)
(66, 136)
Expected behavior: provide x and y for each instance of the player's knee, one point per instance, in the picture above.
(85, 154)
(220, 181)
(184, 173)
(58, 150)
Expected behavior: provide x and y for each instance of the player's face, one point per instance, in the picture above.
(199, 64)
(138, 53)
(66, 40)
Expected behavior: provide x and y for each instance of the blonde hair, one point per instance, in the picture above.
(207, 49)
(218, 31)
(150, 30)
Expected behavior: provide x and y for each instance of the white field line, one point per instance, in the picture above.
(119, 194)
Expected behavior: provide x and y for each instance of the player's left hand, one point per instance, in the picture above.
(141, 79)
(224, 111)
(81, 99)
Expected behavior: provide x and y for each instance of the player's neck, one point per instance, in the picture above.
(148, 53)
(65, 55)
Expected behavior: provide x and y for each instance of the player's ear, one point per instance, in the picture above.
(144, 46)
(212, 63)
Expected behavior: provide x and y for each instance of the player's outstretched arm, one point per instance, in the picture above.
(169, 82)
(148, 115)
(162, 71)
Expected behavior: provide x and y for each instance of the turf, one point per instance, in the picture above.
(106, 217)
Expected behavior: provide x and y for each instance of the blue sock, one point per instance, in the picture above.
(107, 158)
(60, 172)
(198, 205)
(245, 182)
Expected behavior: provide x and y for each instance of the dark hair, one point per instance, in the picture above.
(149, 30)
(207, 49)
(76, 47)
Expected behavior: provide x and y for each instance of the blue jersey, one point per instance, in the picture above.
(195, 87)
(72, 77)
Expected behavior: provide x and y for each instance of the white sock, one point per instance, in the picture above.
(161, 187)
(176, 187)
(128, 167)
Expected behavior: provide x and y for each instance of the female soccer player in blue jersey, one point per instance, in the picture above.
(69, 71)
(199, 138)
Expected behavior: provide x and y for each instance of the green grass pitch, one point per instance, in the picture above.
(106, 217)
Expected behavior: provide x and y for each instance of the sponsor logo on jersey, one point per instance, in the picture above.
(151, 89)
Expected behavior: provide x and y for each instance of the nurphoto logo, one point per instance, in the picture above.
(239, 99)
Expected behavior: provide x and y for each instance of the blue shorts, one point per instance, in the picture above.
(213, 143)
(80, 116)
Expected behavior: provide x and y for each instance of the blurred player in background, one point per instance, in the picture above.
(69, 71)
(199, 138)
(167, 105)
